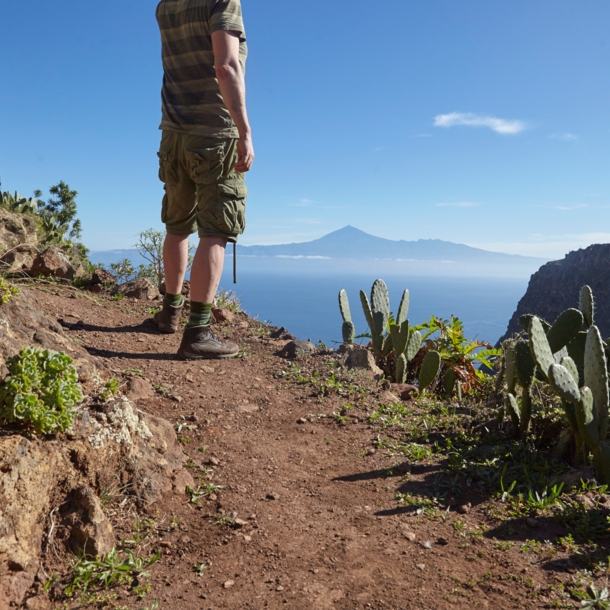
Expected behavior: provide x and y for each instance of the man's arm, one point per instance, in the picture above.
(233, 89)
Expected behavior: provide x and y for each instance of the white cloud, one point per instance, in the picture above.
(422, 135)
(502, 126)
(565, 137)
(458, 204)
(301, 203)
(572, 207)
(301, 256)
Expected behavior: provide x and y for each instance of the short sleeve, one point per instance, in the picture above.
(226, 15)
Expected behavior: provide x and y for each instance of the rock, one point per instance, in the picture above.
(464, 508)
(228, 584)
(410, 536)
(38, 603)
(362, 359)
(53, 262)
(222, 315)
(186, 288)
(406, 391)
(571, 480)
(296, 349)
(101, 276)
(421, 566)
(97, 288)
(18, 260)
(283, 334)
(140, 288)
(272, 496)
(16, 230)
(92, 532)
(247, 408)
(139, 389)
(388, 398)
(212, 461)
(556, 287)
(301, 420)
(239, 523)
(442, 541)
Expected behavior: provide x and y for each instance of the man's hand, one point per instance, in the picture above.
(245, 154)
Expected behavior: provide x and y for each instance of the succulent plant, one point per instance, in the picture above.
(430, 369)
(348, 329)
(587, 306)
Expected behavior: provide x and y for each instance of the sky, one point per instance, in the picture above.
(486, 123)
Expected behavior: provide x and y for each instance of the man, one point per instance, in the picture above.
(206, 147)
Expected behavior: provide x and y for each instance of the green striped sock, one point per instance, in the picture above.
(200, 314)
(175, 300)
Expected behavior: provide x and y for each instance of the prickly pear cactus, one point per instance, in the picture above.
(449, 380)
(430, 368)
(380, 305)
(344, 306)
(541, 350)
(587, 306)
(413, 345)
(349, 332)
(596, 378)
(510, 369)
(400, 336)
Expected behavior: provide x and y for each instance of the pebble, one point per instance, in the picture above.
(301, 420)
(464, 508)
(228, 584)
(410, 536)
(421, 566)
(213, 461)
(273, 496)
(427, 544)
(247, 538)
(279, 588)
(239, 523)
(442, 541)
(207, 369)
(165, 544)
(371, 451)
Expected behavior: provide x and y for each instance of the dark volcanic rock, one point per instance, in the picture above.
(556, 286)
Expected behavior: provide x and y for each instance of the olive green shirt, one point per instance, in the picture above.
(191, 98)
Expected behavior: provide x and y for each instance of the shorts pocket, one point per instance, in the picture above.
(230, 211)
(167, 175)
(206, 164)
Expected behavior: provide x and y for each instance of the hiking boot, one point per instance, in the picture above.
(168, 318)
(200, 343)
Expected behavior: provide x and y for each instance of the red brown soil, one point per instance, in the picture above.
(323, 527)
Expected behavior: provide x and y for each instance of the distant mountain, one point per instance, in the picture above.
(350, 250)
(352, 243)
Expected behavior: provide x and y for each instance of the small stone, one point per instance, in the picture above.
(410, 536)
(212, 461)
(421, 566)
(531, 522)
(427, 544)
(239, 523)
(247, 538)
(279, 588)
(272, 496)
(442, 541)
(165, 544)
(212, 497)
(362, 359)
(464, 508)
(193, 417)
(301, 420)
(228, 584)
(371, 451)
(207, 369)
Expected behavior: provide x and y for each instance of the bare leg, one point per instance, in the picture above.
(175, 260)
(207, 269)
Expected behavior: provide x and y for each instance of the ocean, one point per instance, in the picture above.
(307, 303)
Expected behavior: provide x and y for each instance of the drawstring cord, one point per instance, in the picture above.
(234, 263)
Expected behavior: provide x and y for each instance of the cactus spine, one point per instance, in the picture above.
(348, 329)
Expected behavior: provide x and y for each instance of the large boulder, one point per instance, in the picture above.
(47, 483)
(141, 288)
(54, 262)
(16, 230)
(362, 359)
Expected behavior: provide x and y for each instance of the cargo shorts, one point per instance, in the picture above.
(203, 192)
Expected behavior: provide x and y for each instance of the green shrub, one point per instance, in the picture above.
(41, 391)
(7, 292)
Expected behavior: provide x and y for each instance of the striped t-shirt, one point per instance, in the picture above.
(192, 102)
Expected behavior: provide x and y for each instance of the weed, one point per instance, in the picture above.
(204, 489)
(7, 292)
(152, 310)
(228, 300)
(224, 520)
(594, 598)
(117, 567)
(136, 372)
(41, 391)
(118, 297)
(160, 389)
(111, 388)
(200, 568)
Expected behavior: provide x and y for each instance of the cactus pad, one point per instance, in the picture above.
(510, 404)
(366, 307)
(449, 381)
(430, 368)
(349, 332)
(380, 303)
(403, 310)
(400, 336)
(413, 345)
(587, 306)
(585, 415)
(524, 363)
(576, 351)
(344, 306)
(401, 369)
(526, 411)
(563, 383)
(570, 365)
(596, 378)
(566, 327)
(541, 351)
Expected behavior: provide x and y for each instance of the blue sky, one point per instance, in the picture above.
(477, 122)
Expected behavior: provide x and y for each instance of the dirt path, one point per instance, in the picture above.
(318, 525)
